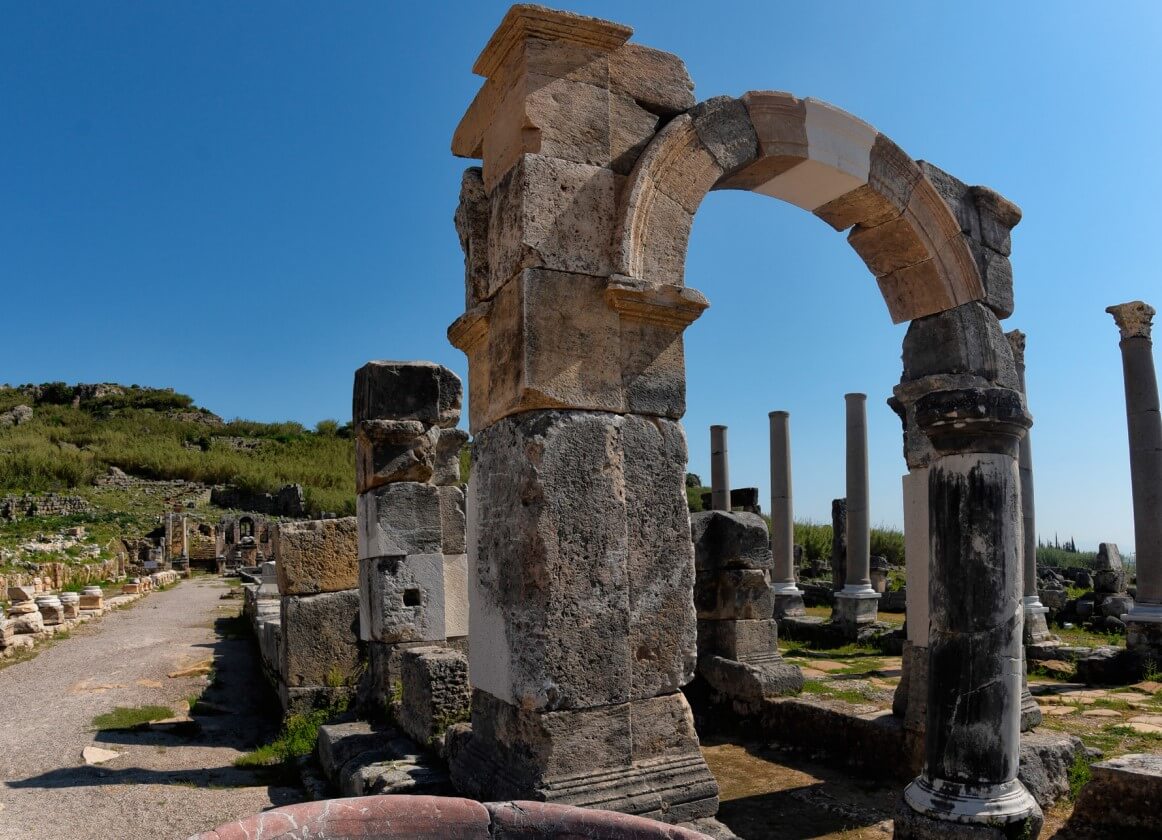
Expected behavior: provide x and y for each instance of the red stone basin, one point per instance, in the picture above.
(441, 818)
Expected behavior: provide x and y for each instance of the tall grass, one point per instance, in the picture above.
(65, 446)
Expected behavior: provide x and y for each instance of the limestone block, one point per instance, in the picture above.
(724, 127)
(780, 125)
(653, 367)
(996, 273)
(435, 692)
(1108, 557)
(393, 450)
(892, 176)
(660, 561)
(22, 608)
(1115, 606)
(452, 520)
(544, 327)
(423, 391)
(549, 586)
(734, 593)
(551, 213)
(631, 128)
(31, 622)
(456, 595)
(401, 518)
(314, 556)
(663, 248)
(92, 602)
(446, 466)
(1123, 794)
(656, 80)
(403, 598)
(967, 339)
(998, 216)
(1109, 581)
(472, 227)
(730, 541)
(26, 592)
(52, 614)
(744, 640)
(319, 644)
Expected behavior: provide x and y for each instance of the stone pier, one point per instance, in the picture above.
(969, 782)
(788, 596)
(719, 469)
(855, 604)
(1144, 621)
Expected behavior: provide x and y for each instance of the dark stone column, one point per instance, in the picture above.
(719, 470)
(1144, 621)
(972, 739)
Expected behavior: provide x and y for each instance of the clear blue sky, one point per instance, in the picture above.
(247, 200)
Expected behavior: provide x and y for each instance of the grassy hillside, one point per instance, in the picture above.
(77, 433)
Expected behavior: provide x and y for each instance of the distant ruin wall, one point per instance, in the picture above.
(49, 504)
(288, 501)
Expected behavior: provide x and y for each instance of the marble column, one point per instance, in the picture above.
(1144, 621)
(788, 596)
(856, 603)
(969, 785)
(1036, 625)
(719, 470)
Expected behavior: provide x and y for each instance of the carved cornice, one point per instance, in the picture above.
(662, 304)
(1134, 319)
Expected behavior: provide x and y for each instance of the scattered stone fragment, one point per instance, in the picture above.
(97, 755)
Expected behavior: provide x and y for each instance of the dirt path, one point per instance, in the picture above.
(167, 782)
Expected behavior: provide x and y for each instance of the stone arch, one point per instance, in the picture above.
(817, 157)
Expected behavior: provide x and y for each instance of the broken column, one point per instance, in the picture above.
(581, 566)
(1036, 624)
(719, 470)
(412, 562)
(788, 596)
(1144, 621)
(738, 653)
(855, 604)
(318, 639)
(972, 739)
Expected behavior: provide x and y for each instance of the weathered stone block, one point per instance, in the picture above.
(723, 124)
(656, 80)
(659, 562)
(1123, 795)
(446, 466)
(401, 518)
(17, 594)
(316, 556)
(543, 328)
(551, 213)
(998, 216)
(964, 340)
(734, 594)
(743, 640)
(996, 272)
(452, 520)
(435, 692)
(456, 595)
(319, 644)
(555, 561)
(387, 451)
(472, 226)
(422, 391)
(403, 597)
(730, 541)
(1109, 581)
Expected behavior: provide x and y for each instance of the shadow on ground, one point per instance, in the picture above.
(236, 712)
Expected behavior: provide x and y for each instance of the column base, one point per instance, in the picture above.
(855, 606)
(640, 758)
(1030, 711)
(1036, 621)
(789, 603)
(911, 825)
(949, 811)
(1144, 631)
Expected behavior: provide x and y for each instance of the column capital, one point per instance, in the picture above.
(1134, 318)
(973, 420)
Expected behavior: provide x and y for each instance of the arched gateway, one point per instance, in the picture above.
(595, 159)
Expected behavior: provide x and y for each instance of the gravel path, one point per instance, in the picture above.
(168, 781)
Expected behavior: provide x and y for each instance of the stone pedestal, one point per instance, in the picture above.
(70, 604)
(856, 604)
(1144, 621)
(92, 598)
(788, 596)
(972, 741)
